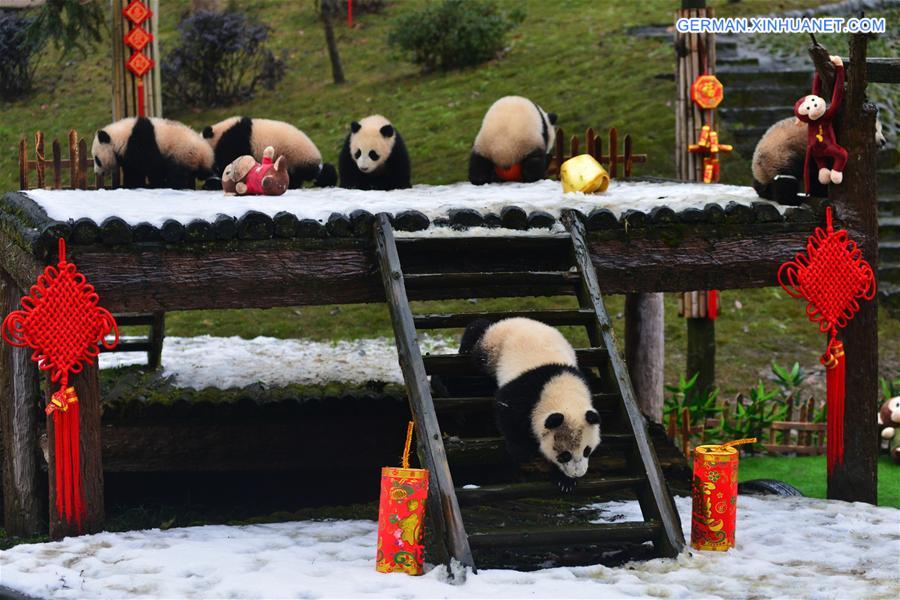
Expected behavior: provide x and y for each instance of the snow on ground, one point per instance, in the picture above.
(155, 206)
(786, 547)
(233, 362)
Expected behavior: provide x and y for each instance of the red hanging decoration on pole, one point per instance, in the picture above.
(62, 322)
(833, 277)
(350, 14)
(137, 39)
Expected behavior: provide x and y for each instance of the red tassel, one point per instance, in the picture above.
(712, 304)
(66, 443)
(834, 362)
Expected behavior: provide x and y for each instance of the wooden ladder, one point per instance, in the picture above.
(441, 268)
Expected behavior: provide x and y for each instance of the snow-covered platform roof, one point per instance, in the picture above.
(123, 216)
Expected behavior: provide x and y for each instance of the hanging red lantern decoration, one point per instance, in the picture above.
(137, 39)
(832, 277)
(709, 147)
(62, 322)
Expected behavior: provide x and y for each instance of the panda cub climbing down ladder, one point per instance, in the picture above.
(494, 267)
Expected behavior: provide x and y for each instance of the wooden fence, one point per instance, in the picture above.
(74, 168)
(593, 145)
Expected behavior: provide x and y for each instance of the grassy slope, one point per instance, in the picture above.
(577, 61)
(807, 474)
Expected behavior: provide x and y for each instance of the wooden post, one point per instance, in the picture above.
(24, 508)
(645, 350)
(855, 203)
(87, 386)
(701, 331)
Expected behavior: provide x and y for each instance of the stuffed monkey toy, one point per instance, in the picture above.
(821, 143)
(889, 420)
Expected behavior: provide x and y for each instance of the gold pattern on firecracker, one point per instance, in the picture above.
(584, 174)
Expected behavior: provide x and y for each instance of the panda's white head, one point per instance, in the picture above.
(109, 144)
(371, 142)
(566, 425)
(810, 108)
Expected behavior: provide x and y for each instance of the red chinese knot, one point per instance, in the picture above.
(62, 322)
(832, 277)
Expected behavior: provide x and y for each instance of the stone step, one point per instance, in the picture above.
(736, 60)
(889, 297)
(731, 76)
(888, 206)
(889, 229)
(889, 253)
(754, 116)
(889, 272)
(761, 94)
(889, 181)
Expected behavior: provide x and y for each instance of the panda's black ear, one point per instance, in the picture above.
(552, 118)
(592, 417)
(387, 130)
(207, 131)
(103, 137)
(553, 421)
(355, 126)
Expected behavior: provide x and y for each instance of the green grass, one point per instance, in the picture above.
(576, 59)
(808, 474)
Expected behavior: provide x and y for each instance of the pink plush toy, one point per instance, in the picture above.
(821, 143)
(244, 176)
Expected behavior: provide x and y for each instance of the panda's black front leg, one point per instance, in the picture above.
(481, 169)
(565, 483)
(534, 166)
(133, 177)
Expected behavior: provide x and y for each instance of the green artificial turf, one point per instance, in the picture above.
(808, 474)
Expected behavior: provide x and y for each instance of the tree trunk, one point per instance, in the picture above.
(329, 9)
(645, 350)
(855, 204)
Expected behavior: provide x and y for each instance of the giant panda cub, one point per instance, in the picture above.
(239, 136)
(778, 162)
(152, 152)
(374, 156)
(543, 402)
(514, 142)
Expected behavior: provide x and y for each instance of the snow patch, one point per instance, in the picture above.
(234, 362)
(435, 201)
(786, 547)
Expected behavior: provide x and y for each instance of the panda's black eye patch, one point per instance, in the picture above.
(592, 417)
(564, 457)
(587, 451)
(97, 161)
(553, 421)
(373, 155)
(358, 154)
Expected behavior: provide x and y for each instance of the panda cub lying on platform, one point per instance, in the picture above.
(543, 402)
(152, 152)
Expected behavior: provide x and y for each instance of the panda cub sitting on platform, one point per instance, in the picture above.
(543, 401)
(374, 156)
(152, 152)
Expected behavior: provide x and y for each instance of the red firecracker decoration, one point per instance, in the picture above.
(709, 147)
(401, 516)
(714, 491)
(62, 322)
(833, 277)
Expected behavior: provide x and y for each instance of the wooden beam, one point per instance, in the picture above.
(856, 207)
(445, 515)
(24, 499)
